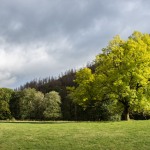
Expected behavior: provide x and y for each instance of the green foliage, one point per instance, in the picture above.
(4, 110)
(5, 96)
(109, 111)
(84, 91)
(31, 104)
(122, 75)
(52, 102)
(123, 72)
(59, 85)
(15, 104)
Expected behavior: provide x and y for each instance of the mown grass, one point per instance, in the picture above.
(131, 135)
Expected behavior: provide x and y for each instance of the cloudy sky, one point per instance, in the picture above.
(41, 38)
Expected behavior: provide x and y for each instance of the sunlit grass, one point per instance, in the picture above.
(131, 135)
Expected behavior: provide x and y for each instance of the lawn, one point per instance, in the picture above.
(131, 135)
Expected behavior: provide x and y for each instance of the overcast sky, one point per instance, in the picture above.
(41, 38)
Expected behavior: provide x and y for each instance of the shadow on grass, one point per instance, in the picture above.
(37, 122)
(53, 122)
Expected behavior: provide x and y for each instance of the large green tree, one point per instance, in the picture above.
(122, 75)
(86, 94)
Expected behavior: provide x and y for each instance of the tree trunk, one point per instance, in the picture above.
(125, 114)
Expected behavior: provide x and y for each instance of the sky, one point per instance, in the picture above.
(42, 38)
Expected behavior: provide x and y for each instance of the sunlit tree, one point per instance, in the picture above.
(122, 75)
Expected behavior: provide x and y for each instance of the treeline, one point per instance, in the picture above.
(26, 101)
(70, 110)
(48, 99)
(59, 85)
(29, 104)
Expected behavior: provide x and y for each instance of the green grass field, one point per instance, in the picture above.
(131, 135)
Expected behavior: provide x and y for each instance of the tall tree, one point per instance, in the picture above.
(123, 73)
(52, 102)
(122, 76)
(5, 96)
(31, 104)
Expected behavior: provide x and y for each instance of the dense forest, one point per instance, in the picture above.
(70, 110)
(115, 86)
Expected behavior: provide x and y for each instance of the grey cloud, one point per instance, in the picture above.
(42, 38)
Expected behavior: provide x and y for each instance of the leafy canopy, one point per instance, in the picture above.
(123, 71)
(5, 96)
(52, 102)
(122, 75)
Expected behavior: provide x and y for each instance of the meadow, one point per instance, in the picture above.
(123, 135)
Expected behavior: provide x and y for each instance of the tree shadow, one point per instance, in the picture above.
(52, 122)
(37, 122)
